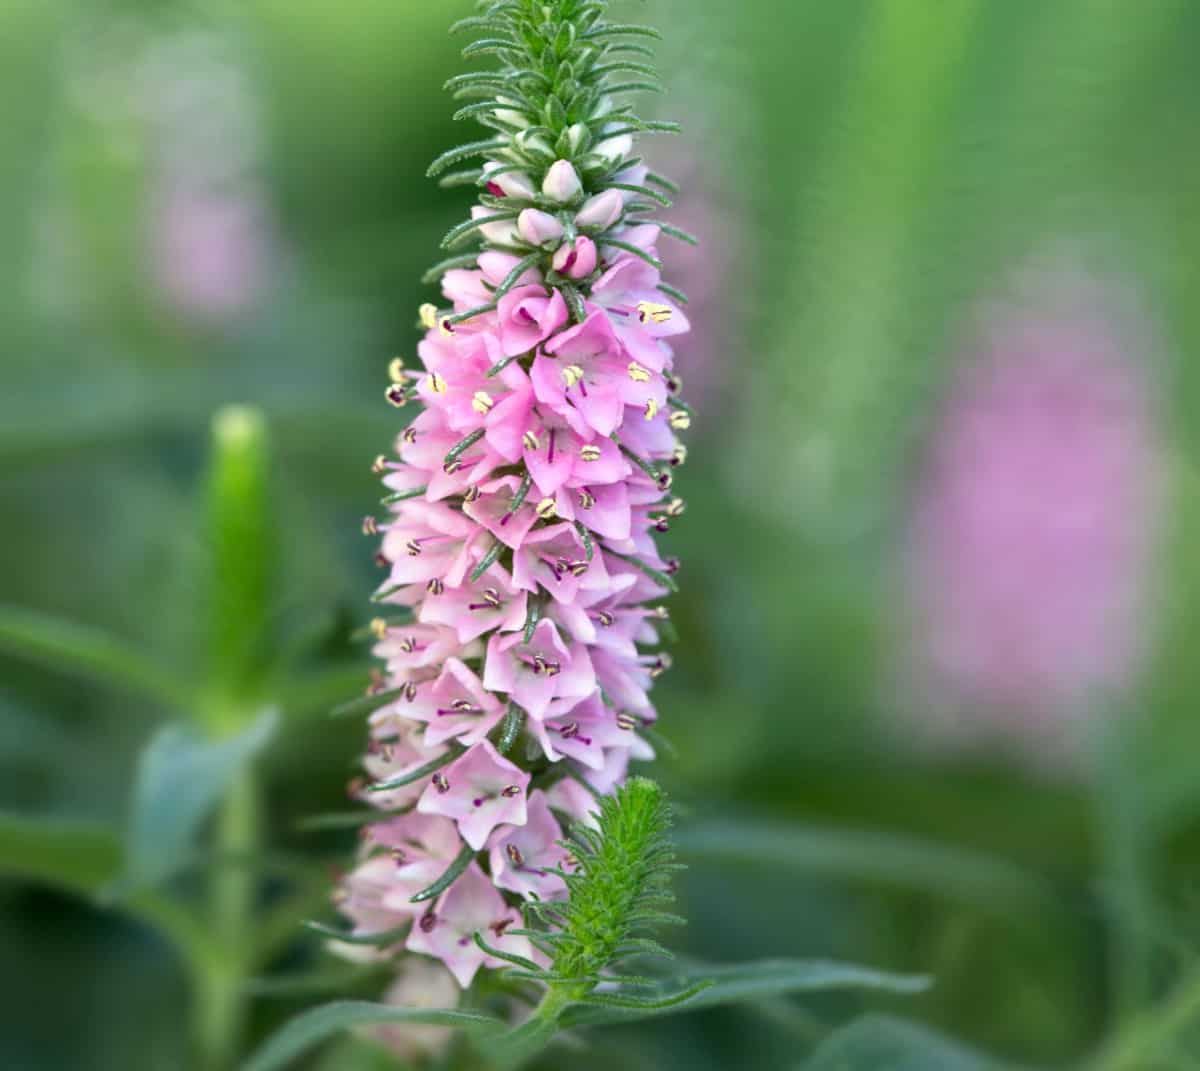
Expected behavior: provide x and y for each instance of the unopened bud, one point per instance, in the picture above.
(562, 182)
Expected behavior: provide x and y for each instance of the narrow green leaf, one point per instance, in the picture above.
(574, 301)
(470, 314)
(463, 445)
(449, 876)
(463, 260)
(453, 179)
(675, 232)
(656, 575)
(532, 616)
(403, 496)
(740, 983)
(508, 957)
(180, 779)
(585, 537)
(69, 648)
(488, 560)
(464, 152)
(312, 1027)
(662, 180)
(468, 226)
(519, 269)
(677, 294)
(415, 775)
(645, 191)
(634, 250)
(613, 29)
(510, 728)
(634, 87)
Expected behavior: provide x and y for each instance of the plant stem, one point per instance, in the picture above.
(220, 1005)
(535, 1033)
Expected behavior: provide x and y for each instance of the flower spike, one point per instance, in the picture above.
(524, 500)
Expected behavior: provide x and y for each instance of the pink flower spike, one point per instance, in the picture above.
(480, 791)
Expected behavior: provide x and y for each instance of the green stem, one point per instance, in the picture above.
(220, 1004)
(533, 1035)
(1148, 1036)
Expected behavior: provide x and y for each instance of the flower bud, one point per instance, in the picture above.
(562, 182)
(601, 211)
(503, 232)
(508, 183)
(538, 228)
(578, 137)
(615, 149)
(576, 260)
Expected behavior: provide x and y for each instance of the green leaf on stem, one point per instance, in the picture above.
(66, 647)
(741, 983)
(180, 779)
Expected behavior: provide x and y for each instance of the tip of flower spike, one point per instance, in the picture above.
(238, 425)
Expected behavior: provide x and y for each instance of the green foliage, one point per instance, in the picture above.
(554, 97)
(743, 983)
(181, 778)
(242, 557)
(877, 1042)
(617, 884)
(78, 649)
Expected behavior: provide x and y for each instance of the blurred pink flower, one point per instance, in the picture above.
(211, 240)
(1034, 519)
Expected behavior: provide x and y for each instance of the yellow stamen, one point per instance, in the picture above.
(546, 509)
(482, 402)
(680, 420)
(637, 373)
(436, 383)
(396, 370)
(531, 441)
(572, 374)
(586, 499)
(378, 627)
(651, 408)
(429, 316)
(590, 453)
(651, 310)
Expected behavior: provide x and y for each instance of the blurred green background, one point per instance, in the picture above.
(214, 203)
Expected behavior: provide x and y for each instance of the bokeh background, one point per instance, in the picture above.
(934, 702)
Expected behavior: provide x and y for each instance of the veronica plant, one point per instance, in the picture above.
(523, 579)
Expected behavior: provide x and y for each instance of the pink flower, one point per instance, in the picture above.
(447, 930)
(1034, 518)
(540, 671)
(522, 858)
(529, 315)
(479, 791)
(576, 260)
(562, 182)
